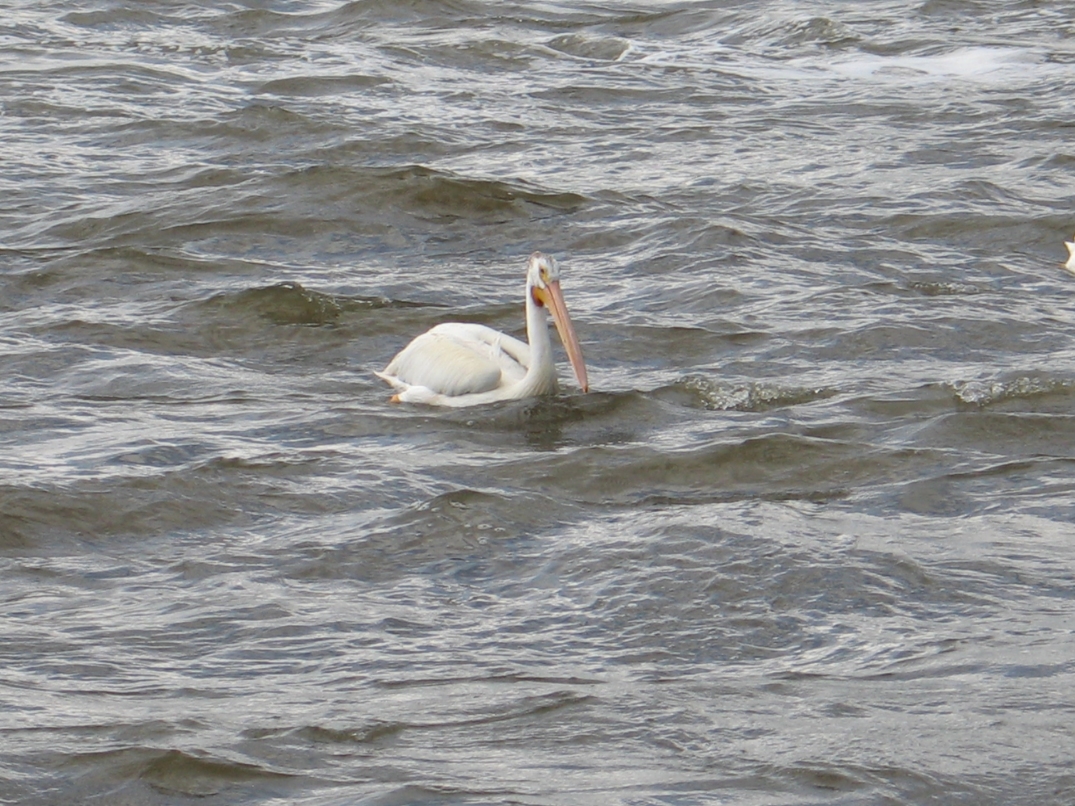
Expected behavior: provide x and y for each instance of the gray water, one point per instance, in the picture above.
(808, 539)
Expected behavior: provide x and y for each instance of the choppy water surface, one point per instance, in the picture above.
(808, 540)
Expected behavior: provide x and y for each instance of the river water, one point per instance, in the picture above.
(809, 538)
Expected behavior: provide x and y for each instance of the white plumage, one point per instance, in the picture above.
(456, 364)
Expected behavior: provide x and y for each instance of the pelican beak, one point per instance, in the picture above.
(551, 297)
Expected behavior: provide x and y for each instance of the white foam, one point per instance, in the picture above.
(963, 63)
(972, 63)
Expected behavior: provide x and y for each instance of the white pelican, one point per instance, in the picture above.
(457, 364)
(1070, 265)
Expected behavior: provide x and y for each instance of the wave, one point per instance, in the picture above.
(989, 393)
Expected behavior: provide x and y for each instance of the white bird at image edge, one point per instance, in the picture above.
(456, 364)
(1070, 265)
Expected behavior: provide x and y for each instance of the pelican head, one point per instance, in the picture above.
(543, 290)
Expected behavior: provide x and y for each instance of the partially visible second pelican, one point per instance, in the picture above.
(456, 364)
(1070, 265)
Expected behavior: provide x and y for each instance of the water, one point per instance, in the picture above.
(807, 540)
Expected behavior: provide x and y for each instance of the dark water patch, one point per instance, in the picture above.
(260, 121)
(375, 200)
(111, 376)
(950, 493)
(795, 34)
(162, 489)
(143, 775)
(118, 18)
(822, 31)
(421, 14)
(365, 735)
(389, 149)
(952, 9)
(972, 337)
(594, 100)
(548, 423)
(497, 679)
(487, 53)
(907, 406)
(741, 600)
(312, 86)
(545, 424)
(985, 233)
(1013, 434)
(76, 272)
(39, 516)
(881, 782)
(269, 32)
(178, 772)
(425, 192)
(523, 710)
(635, 347)
(457, 534)
(28, 368)
(265, 466)
(670, 23)
(774, 466)
(285, 303)
(171, 358)
(175, 224)
(940, 288)
(1054, 163)
(102, 77)
(583, 46)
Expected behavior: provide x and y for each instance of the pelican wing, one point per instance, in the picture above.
(456, 359)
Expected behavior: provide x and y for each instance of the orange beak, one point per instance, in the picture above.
(551, 297)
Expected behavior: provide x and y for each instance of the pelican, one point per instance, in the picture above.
(456, 364)
(1070, 265)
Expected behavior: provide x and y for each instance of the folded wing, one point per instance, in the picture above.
(456, 359)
